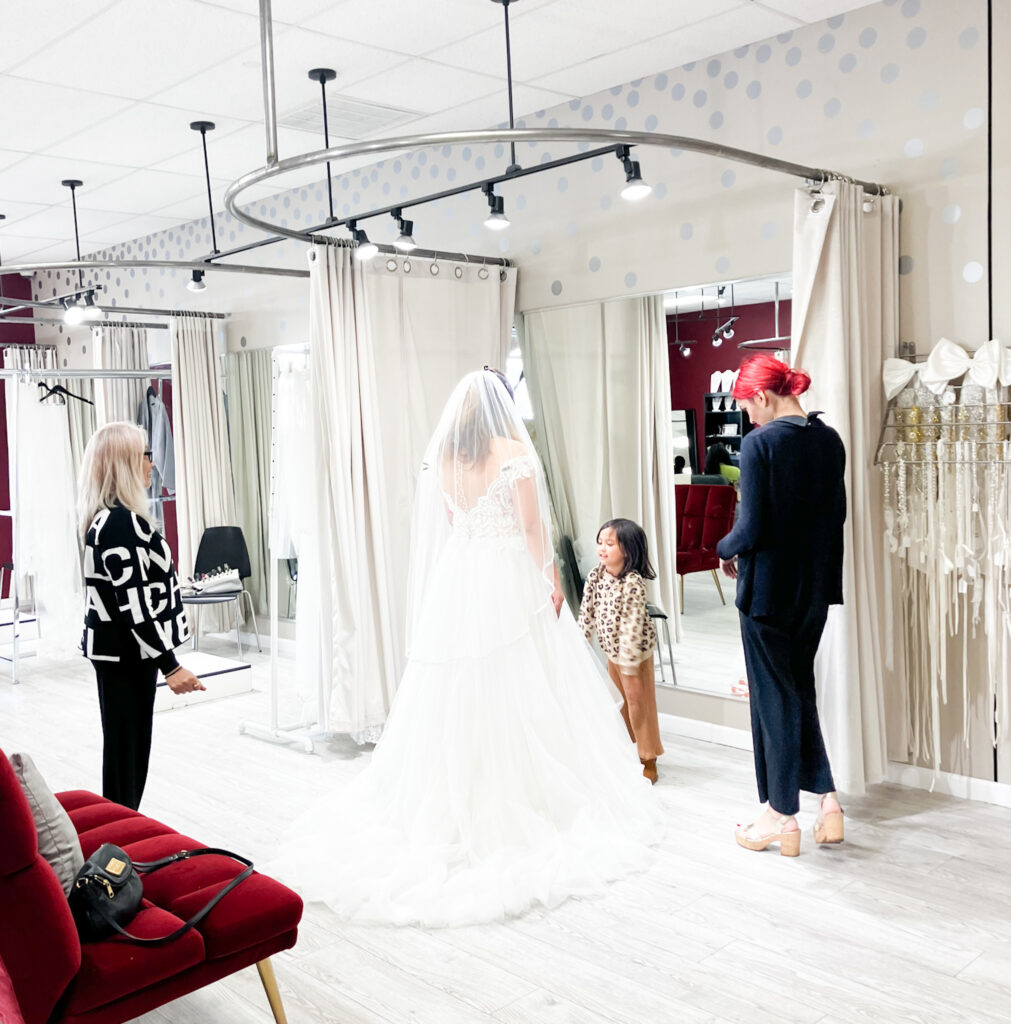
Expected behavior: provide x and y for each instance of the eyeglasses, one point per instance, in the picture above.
(149, 455)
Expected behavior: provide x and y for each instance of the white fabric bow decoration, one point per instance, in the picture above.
(948, 361)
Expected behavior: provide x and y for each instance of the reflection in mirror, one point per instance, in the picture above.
(711, 330)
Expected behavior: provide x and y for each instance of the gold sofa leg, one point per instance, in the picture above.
(716, 580)
(266, 971)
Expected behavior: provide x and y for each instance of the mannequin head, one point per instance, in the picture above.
(767, 388)
(115, 470)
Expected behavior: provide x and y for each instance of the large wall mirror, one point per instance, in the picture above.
(711, 330)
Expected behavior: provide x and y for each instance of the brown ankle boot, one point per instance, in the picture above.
(649, 770)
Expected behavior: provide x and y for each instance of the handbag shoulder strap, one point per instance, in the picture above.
(147, 868)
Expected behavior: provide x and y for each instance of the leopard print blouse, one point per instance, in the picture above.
(616, 609)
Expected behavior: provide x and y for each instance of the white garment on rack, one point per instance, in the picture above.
(291, 525)
(47, 547)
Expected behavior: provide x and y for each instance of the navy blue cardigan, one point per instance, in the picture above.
(789, 533)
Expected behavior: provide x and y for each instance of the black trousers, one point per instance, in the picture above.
(789, 748)
(126, 700)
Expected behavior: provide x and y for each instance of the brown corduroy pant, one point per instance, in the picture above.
(639, 707)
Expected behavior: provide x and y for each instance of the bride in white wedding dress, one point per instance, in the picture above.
(504, 777)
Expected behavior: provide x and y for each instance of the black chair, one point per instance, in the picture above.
(221, 546)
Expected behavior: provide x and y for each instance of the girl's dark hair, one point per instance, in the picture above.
(632, 539)
(717, 456)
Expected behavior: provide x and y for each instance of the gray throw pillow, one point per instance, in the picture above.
(58, 842)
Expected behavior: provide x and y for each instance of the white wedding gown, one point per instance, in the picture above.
(505, 776)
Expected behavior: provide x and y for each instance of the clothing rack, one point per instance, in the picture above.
(28, 376)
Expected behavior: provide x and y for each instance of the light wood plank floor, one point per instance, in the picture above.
(909, 920)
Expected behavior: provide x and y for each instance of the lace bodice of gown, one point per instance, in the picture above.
(494, 513)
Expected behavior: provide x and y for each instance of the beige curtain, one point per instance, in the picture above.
(203, 471)
(386, 348)
(119, 348)
(249, 382)
(599, 381)
(845, 321)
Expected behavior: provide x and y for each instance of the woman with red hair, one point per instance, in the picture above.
(786, 553)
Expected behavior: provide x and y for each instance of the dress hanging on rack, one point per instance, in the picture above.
(47, 546)
(154, 418)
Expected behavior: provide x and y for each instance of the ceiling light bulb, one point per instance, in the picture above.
(74, 315)
(496, 219)
(728, 333)
(404, 242)
(685, 351)
(92, 312)
(196, 283)
(365, 249)
(635, 188)
(717, 339)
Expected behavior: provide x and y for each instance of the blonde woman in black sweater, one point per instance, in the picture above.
(134, 618)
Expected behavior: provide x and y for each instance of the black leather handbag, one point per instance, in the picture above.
(108, 890)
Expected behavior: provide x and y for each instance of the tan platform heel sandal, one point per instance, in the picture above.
(829, 826)
(789, 842)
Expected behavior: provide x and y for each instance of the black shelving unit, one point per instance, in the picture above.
(716, 419)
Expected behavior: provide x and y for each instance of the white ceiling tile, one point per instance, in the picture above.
(37, 114)
(18, 250)
(408, 26)
(57, 222)
(717, 34)
(424, 86)
(571, 31)
(242, 151)
(15, 212)
(144, 191)
(139, 47)
(234, 87)
(31, 27)
(37, 179)
(815, 10)
(8, 157)
(290, 12)
(145, 134)
(487, 112)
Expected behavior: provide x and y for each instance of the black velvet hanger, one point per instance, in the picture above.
(60, 390)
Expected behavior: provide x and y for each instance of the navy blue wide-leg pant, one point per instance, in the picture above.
(789, 748)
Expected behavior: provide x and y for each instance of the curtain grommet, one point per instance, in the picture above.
(458, 272)
(407, 266)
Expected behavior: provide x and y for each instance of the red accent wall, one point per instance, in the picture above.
(689, 378)
(11, 333)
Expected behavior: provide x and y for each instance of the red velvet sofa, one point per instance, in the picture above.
(56, 978)
(704, 514)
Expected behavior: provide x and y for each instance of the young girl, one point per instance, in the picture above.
(614, 604)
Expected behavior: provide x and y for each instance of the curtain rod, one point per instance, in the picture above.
(47, 374)
(9, 305)
(90, 323)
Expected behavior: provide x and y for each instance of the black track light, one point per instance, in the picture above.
(196, 282)
(496, 219)
(405, 240)
(365, 249)
(635, 188)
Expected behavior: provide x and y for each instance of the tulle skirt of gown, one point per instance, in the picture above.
(505, 776)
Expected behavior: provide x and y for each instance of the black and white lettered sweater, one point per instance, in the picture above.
(133, 612)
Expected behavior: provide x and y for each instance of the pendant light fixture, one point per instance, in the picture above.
(84, 307)
(324, 75)
(635, 188)
(196, 282)
(204, 127)
(496, 219)
(365, 249)
(405, 240)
